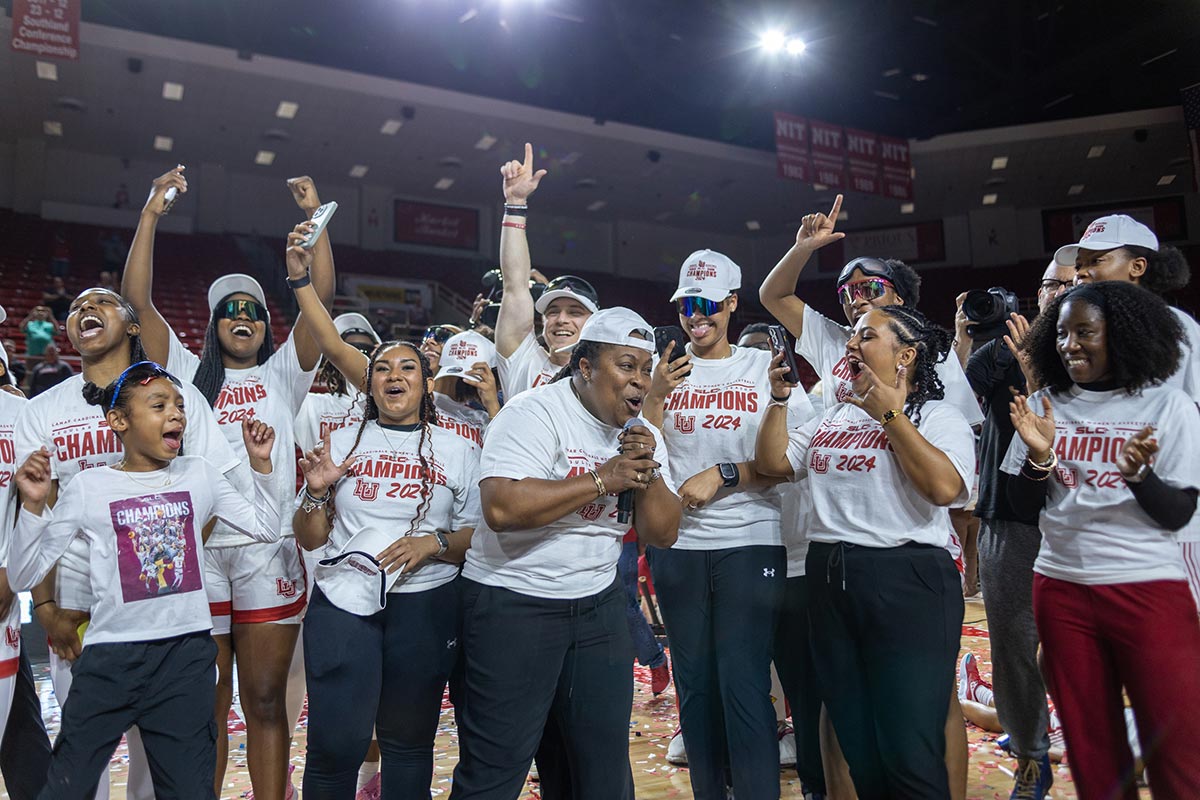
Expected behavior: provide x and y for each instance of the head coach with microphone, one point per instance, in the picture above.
(543, 613)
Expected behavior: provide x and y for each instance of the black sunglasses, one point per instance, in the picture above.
(439, 333)
(232, 309)
(573, 284)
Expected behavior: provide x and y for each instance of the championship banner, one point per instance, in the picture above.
(828, 154)
(437, 226)
(897, 168)
(46, 28)
(862, 152)
(791, 147)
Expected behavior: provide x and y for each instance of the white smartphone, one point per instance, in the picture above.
(320, 218)
(168, 198)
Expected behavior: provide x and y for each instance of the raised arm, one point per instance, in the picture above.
(38, 540)
(770, 448)
(312, 521)
(137, 283)
(515, 320)
(349, 360)
(308, 351)
(778, 290)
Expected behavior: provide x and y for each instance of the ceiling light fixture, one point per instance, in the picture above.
(891, 73)
(886, 95)
(443, 184)
(795, 46)
(391, 126)
(1095, 151)
(920, 77)
(52, 128)
(907, 208)
(47, 70)
(1166, 180)
(358, 171)
(264, 158)
(597, 205)
(752, 225)
(1076, 188)
(773, 40)
(1000, 162)
(287, 109)
(164, 143)
(486, 142)
(990, 199)
(843, 216)
(172, 90)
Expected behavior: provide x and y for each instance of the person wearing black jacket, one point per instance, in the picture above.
(1008, 546)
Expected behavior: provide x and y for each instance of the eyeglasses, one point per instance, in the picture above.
(870, 289)
(702, 306)
(1053, 284)
(232, 309)
(439, 333)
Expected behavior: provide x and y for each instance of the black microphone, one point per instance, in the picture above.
(625, 498)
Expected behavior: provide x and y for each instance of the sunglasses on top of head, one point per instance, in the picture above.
(699, 306)
(572, 284)
(869, 289)
(232, 309)
(439, 333)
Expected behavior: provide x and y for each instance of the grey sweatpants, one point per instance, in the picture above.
(1007, 551)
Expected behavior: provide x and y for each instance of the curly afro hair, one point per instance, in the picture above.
(1166, 268)
(932, 343)
(1141, 331)
(906, 280)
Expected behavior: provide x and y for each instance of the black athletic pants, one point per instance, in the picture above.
(387, 673)
(886, 624)
(165, 687)
(528, 659)
(721, 608)
(25, 751)
(798, 674)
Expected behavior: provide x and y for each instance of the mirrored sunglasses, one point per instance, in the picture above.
(698, 306)
(439, 333)
(870, 289)
(232, 309)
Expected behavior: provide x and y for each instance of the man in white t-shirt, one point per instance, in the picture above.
(1119, 248)
(565, 305)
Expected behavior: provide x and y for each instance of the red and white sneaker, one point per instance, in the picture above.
(676, 752)
(787, 745)
(971, 685)
(660, 679)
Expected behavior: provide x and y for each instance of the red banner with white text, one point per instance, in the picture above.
(46, 28)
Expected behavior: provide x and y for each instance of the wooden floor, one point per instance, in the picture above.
(654, 720)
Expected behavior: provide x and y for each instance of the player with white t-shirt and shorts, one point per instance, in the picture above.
(721, 586)
(863, 284)
(103, 329)
(257, 588)
(885, 602)
(1105, 455)
(544, 639)
(1119, 248)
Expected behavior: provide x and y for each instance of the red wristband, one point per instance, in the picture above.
(518, 225)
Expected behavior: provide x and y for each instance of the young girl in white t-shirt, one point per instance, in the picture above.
(400, 492)
(258, 587)
(1106, 456)
(885, 602)
(147, 656)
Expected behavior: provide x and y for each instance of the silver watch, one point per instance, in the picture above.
(443, 544)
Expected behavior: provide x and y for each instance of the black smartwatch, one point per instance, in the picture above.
(729, 474)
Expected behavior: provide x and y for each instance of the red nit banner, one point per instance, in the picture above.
(791, 147)
(46, 28)
(437, 226)
(828, 154)
(897, 168)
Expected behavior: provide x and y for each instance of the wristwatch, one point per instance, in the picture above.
(443, 544)
(729, 474)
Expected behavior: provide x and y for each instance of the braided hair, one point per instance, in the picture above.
(210, 374)
(932, 343)
(428, 419)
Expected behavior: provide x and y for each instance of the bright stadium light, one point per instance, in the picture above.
(773, 40)
(795, 46)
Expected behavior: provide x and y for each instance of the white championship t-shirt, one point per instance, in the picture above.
(1093, 530)
(713, 417)
(461, 419)
(322, 413)
(144, 537)
(78, 438)
(527, 367)
(860, 494)
(383, 491)
(823, 345)
(10, 409)
(272, 392)
(547, 434)
(1187, 377)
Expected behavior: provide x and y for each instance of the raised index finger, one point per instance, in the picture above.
(837, 209)
(528, 156)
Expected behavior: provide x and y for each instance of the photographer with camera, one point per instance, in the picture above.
(1008, 545)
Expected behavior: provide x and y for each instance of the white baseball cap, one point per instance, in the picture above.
(3, 314)
(1108, 233)
(461, 352)
(353, 580)
(354, 322)
(236, 283)
(571, 287)
(617, 326)
(708, 274)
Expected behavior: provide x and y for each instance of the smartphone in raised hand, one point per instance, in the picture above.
(320, 218)
(781, 344)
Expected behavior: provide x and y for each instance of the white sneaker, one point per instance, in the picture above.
(676, 753)
(787, 749)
